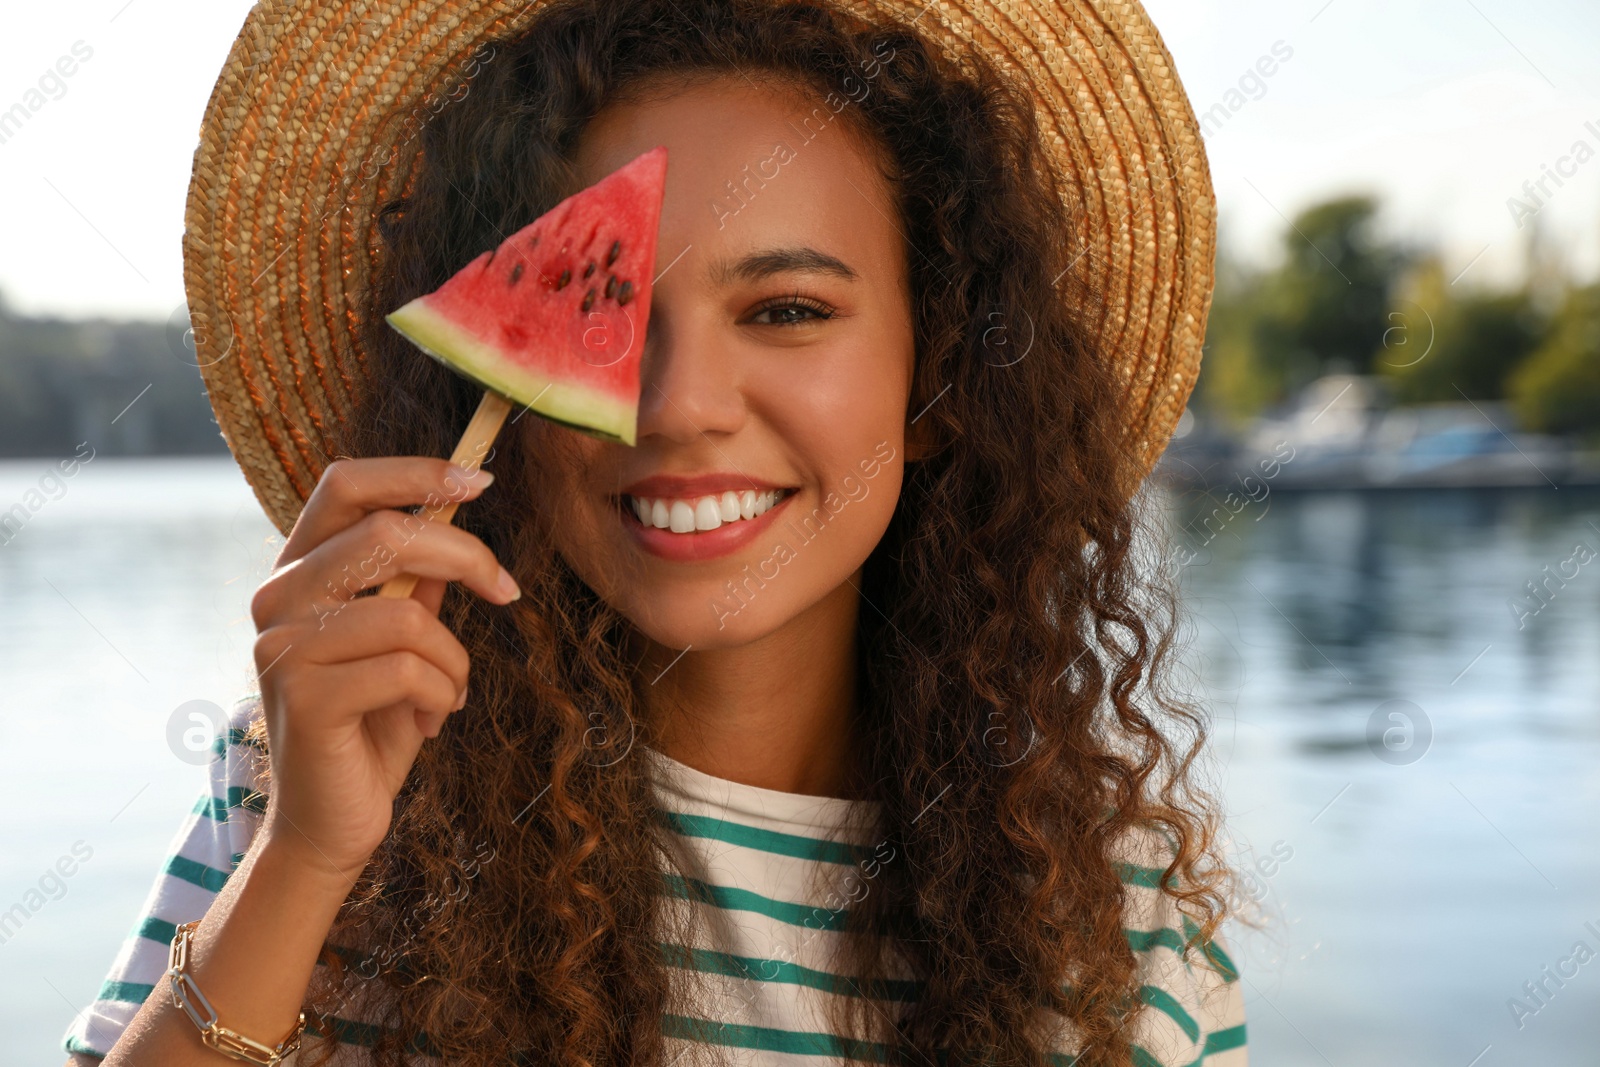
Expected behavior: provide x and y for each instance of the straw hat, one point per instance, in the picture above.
(313, 124)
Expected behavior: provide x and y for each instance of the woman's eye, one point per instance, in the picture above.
(792, 312)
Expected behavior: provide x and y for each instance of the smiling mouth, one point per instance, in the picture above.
(691, 515)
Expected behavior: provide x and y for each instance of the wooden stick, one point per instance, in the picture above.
(469, 453)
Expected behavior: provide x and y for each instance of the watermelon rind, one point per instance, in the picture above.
(568, 403)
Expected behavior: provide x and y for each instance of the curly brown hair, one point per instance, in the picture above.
(1017, 717)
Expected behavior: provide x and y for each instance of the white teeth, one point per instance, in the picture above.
(705, 512)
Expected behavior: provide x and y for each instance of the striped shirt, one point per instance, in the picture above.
(764, 880)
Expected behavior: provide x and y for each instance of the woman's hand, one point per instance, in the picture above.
(352, 685)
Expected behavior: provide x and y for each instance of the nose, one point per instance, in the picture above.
(690, 382)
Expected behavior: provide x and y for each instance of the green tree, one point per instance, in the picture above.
(1323, 310)
(1233, 385)
(1439, 341)
(1331, 298)
(1557, 389)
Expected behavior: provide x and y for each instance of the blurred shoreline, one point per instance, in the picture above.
(1343, 431)
(121, 387)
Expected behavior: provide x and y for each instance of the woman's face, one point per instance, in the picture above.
(778, 356)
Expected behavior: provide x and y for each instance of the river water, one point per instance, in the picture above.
(1410, 760)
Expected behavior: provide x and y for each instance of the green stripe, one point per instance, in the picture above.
(729, 898)
(124, 992)
(1145, 940)
(350, 957)
(808, 1043)
(72, 1045)
(196, 873)
(356, 961)
(248, 799)
(347, 1031)
(1219, 959)
(759, 970)
(234, 737)
(1216, 1041)
(213, 808)
(1223, 1040)
(1161, 1000)
(1133, 874)
(753, 837)
(156, 930)
(365, 1035)
(769, 1039)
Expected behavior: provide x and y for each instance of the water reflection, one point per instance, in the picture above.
(1423, 885)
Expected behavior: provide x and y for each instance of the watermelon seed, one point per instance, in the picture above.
(625, 293)
(566, 276)
(589, 269)
(611, 284)
(616, 250)
(588, 300)
(516, 272)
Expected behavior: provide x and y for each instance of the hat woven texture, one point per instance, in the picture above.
(313, 122)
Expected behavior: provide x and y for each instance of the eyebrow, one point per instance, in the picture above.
(758, 265)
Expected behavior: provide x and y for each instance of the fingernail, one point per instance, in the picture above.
(461, 701)
(470, 477)
(508, 585)
(472, 480)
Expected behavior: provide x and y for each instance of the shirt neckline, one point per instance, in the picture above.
(799, 811)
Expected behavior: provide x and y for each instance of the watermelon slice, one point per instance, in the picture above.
(554, 318)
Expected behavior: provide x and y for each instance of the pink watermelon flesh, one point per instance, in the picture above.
(554, 318)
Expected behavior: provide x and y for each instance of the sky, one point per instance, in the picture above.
(1442, 108)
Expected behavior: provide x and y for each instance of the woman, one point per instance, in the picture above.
(893, 776)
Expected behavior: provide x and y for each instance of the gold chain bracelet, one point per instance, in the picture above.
(187, 995)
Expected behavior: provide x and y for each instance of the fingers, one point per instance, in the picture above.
(430, 723)
(372, 551)
(334, 695)
(350, 488)
(368, 628)
(400, 697)
(430, 593)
